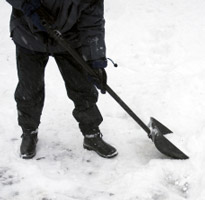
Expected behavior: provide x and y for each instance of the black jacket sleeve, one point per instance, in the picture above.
(16, 3)
(92, 32)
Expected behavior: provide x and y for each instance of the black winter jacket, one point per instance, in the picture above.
(80, 21)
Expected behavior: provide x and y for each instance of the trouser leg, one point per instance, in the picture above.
(82, 93)
(29, 93)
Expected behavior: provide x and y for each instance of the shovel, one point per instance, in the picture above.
(155, 131)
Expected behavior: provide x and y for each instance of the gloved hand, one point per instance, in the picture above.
(100, 80)
(29, 9)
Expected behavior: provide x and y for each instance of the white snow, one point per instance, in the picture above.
(159, 47)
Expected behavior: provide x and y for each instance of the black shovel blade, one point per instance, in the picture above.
(157, 131)
(167, 148)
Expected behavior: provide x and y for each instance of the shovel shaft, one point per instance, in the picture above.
(127, 109)
(57, 36)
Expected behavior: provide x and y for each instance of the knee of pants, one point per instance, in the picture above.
(29, 95)
(84, 99)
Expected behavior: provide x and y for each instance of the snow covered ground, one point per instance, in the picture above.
(159, 47)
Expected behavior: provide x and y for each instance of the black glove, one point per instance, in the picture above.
(100, 78)
(29, 9)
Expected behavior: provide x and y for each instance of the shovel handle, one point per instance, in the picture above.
(127, 109)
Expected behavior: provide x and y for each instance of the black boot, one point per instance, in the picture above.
(96, 143)
(28, 144)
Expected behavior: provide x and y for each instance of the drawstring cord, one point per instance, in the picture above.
(114, 64)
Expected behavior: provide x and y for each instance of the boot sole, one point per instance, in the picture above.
(89, 148)
(27, 156)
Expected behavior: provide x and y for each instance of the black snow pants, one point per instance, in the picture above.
(30, 93)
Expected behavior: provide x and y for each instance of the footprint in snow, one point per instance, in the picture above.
(8, 177)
